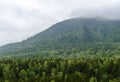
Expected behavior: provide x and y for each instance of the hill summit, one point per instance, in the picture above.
(77, 33)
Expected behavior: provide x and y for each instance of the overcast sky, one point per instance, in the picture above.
(20, 19)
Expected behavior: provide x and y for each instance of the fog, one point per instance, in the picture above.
(20, 19)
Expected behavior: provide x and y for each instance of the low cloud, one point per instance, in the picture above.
(20, 19)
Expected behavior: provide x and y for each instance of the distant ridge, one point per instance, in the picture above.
(76, 33)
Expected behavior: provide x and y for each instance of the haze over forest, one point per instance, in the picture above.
(20, 19)
(59, 40)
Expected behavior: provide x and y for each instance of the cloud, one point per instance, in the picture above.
(98, 8)
(20, 19)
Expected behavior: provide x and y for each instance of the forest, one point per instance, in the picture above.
(74, 50)
(57, 68)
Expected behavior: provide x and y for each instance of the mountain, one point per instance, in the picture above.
(78, 33)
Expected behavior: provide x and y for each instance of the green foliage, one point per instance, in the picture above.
(75, 50)
(80, 34)
(57, 69)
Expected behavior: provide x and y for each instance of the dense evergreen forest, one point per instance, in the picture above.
(60, 69)
(78, 33)
(74, 50)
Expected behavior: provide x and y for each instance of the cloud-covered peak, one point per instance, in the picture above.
(20, 19)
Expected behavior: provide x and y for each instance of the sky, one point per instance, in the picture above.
(20, 19)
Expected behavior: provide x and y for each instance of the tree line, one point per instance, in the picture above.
(55, 69)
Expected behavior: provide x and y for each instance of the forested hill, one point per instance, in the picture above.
(78, 33)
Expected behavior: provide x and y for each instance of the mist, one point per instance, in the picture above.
(20, 19)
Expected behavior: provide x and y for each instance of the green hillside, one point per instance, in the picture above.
(80, 34)
(74, 50)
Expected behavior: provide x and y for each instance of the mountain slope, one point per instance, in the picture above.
(82, 33)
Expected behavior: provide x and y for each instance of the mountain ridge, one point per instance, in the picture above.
(69, 33)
